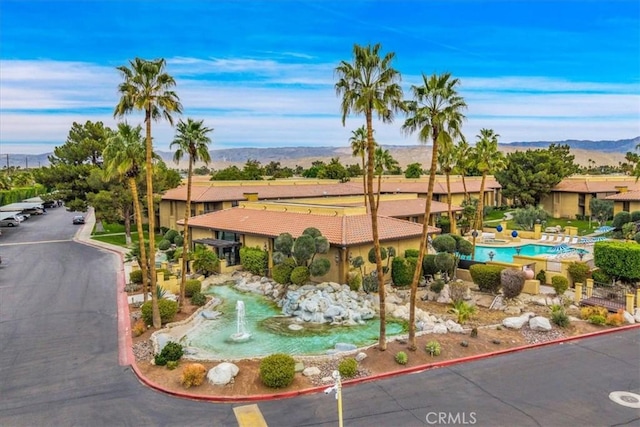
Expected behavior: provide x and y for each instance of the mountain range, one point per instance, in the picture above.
(602, 152)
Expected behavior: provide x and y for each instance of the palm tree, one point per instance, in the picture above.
(124, 156)
(358, 142)
(147, 87)
(462, 158)
(383, 160)
(368, 85)
(436, 113)
(488, 160)
(191, 138)
(446, 159)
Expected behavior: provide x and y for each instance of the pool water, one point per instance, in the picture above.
(270, 332)
(505, 254)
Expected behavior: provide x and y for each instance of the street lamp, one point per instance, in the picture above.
(337, 388)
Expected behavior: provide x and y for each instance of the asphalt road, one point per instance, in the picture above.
(59, 362)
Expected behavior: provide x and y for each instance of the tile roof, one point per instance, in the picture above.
(627, 196)
(412, 207)
(339, 230)
(590, 185)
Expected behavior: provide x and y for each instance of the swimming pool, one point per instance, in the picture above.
(505, 254)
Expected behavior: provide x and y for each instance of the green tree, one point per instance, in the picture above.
(231, 173)
(147, 87)
(333, 170)
(527, 217)
(191, 140)
(462, 158)
(358, 142)
(382, 160)
(436, 114)
(252, 170)
(124, 155)
(369, 84)
(446, 160)
(488, 160)
(601, 210)
(414, 170)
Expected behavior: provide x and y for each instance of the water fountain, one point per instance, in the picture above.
(241, 334)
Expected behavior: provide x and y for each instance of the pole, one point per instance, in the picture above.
(338, 387)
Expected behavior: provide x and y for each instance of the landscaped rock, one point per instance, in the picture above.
(628, 318)
(515, 322)
(540, 323)
(636, 314)
(298, 367)
(454, 327)
(295, 327)
(341, 346)
(361, 356)
(512, 310)
(439, 328)
(311, 371)
(210, 315)
(222, 374)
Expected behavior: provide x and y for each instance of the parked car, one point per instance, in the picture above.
(78, 219)
(11, 221)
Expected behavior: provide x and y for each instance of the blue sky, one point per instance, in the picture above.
(261, 72)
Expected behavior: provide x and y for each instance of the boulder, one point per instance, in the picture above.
(361, 356)
(222, 374)
(439, 328)
(298, 367)
(515, 322)
(512, 310)
(341, 346)
(311, 371)
(454, 327)
(628, 318)
(540, 323)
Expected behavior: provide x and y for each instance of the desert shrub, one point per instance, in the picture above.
(178, 240)
(596, 319)
(171, 352)
(433, 348)
(458, 290)
(402, 271)
(437, 285)
(300, 275)
(254, 260)
(600, 276)
(354, 280)
(587, 312)
(193, 375)
(560, 284)
(487, 277)
(198, 299)
(445, 261)
(615, 319)
(138, 328)
(411, 253)
(559, 316)
(170, 236)
(172, 364)
(542, 277)
(429, 265)
(282, 272)
(348, 367)
(370, 282)
(579, 271)
(402, 358)
(191, 287)
(135, 276)
(277, 370)
(463, 311)
(168, 310)
(512, 282)
(164, 244)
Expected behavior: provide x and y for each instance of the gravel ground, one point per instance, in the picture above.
(535, 337)
(143, 350)
(327, 368)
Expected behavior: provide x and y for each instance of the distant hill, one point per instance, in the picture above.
(602, 152)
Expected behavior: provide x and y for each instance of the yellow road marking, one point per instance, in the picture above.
(249, 416)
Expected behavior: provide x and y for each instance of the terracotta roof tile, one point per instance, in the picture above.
(586, 185)
(412, 207)
(628, 196)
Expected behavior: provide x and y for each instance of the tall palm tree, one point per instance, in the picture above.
(462, 159)
(368, 85)
(192, 140)
(358, 142)
(436, 113)
(147, 87)
(124, 156)
(383, 160)
(488, 160)
(446, 160)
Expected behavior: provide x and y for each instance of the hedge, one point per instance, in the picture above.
(254, 260)
(402, 271)
(168, 310)
(620, 259)
(487, 277)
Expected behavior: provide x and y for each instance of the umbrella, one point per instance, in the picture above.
(587, 240)
(560, 249)
(603, 229)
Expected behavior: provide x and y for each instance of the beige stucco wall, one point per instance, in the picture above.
(619, 206)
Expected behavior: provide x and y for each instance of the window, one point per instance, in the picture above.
(626, 206)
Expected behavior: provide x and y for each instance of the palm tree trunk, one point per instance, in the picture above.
(364, 181)
(142, 260)
(423, 244)
(449, 199)
(126, 213)
(185, 243)
(479, 217)
(152, 223)
(382, 339)
(378, 193)
(464, 186)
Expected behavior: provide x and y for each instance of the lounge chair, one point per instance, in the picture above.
(557, 239)
(574, 240)
(544, 237)
(566, 239)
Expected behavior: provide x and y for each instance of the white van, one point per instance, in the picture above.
(11, 221)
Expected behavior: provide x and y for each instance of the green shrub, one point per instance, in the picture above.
(429, 265)
(411, 253)
(159, 360)
(178, 240)
(559, 316)
(171, 235)
(463, 311)
(597, 319)
(277, 370)
(354, 280)
(618, 258)
(620, 219)
(372, 254)
(135, 276)
(542, 277)
(635, 216)
(319, 267)
(254, 260)
(600, 276)
(560, 284)
(512, 282)
(172, 364)
(433, 348)
(282, 272)
(172, 351)
(300, 275)
(348, 367)
(444, 243)
(370, 282)
(402, 271)
(198, 299)
(192, 286)
(402, 358)
(164, 245)
(445, 262)
(437, 285)
(168, 310)
(579, 271)
(487, 277)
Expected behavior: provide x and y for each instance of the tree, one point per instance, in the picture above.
(231, 173)
(252, 170)
(488, 160)
(436, 113)
(446, 159)
(530, 175)
(382, 160)
(369, 84)
(333, 170)
(601, 210)
(358, 142)
(414, 170)
(462, 159)
(124, 155)
(147, 87)
(527, 217)
(191, 139)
